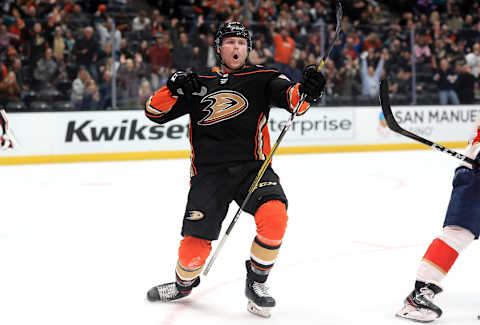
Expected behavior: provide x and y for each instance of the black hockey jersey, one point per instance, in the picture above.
(228, 119)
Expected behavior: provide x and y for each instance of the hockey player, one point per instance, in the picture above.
(6, 139)
(460, 228)
(229, 141)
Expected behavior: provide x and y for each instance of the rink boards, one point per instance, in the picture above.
(129, 135)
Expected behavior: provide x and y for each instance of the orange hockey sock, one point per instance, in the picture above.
(271, 219)
(192, 255)
(440, 255)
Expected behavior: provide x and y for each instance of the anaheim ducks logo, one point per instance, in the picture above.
(223, 105)
(195, 215)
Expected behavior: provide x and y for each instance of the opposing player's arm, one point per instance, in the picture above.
(6, 137)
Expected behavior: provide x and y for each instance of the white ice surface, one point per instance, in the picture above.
(80, 244)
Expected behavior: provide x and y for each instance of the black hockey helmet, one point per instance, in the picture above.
(232, 29)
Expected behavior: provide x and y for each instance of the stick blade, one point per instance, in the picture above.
(386, 108)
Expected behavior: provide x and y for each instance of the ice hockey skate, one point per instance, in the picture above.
(170, 291)
(260, 302)
(418, 306)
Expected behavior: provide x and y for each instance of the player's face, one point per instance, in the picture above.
(234, 51)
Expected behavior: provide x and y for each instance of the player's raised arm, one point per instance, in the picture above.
(171, 101)
(284, 94)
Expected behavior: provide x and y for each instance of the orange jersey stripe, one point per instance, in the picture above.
(259, 152)
(266, 141)
(251, 72)
(293, 97)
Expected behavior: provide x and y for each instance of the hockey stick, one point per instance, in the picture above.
(393, 125)
(267, 161)
(335, 37)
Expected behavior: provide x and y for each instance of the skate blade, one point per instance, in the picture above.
(259, 311)
(416, 315)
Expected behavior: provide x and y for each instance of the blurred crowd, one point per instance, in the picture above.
(68, 54)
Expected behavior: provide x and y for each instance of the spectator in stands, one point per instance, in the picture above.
(104, 30)
(455, 20)
(143, 50)
(128, 83)
(12, 54)
(260, 54)
(141, 22)
(145, 91)
(421, 50)
(9, 89)
(69, 44)
(125, 50)
(101, 14)
(77, 19)
(302, 59)
(17, 69)
(317, 13)
(45, 71)
(349, 78)
(182, 53)
(37, 43)
(473, 59)
(85, 51)
(372, 41)
(104, 54)
(445, 80)
(141, 69)
(122, 22)
(78, 87)
(58, 44)
(30, 18)
(292, 72)
(467, 32)
(370, 76)
(91, 97)
(331, 74)
(5, 38)
(211, 56)
(158, 21)
(466, 85)
(18, 27)
(105, 90)
(200, 46)
(284, 46)
(402, 82)
(160, 57)
(353, 45)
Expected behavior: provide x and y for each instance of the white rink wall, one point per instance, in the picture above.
(128, 135)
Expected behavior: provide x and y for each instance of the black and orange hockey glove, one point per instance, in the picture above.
(183, 83)
(313, 84)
